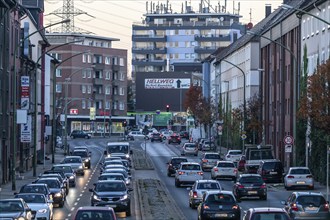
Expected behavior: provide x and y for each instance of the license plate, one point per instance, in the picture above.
(112, 206)
(311, 208)
(221, 215)
(252, 192)
(301, 182)
(273, 172)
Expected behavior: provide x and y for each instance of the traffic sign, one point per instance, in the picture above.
(243, 136)
(288, 148)
(288, 140)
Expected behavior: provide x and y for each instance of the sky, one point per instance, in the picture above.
(114, 18)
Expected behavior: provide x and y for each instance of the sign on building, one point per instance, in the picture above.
(92, 113)
(166, 83)
(26, 134)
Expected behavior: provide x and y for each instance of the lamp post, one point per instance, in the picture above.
(14, 135)
(54, 97)
(295, 97)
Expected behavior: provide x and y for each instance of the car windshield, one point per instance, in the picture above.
(65, 169)
(235, 152)
(253, 179)
(300, 171)
(190, 167)
(212, 156)
(117, 171)
(118, 149)
(208, 186)
(313, 200)
(226, 165)
(220, 199)
(261, 155)
(272, 166)
(72, 160)
(190, 146)
(94, 214)
(32, 198)
(111, 177)
(33, 189)
(52, 176)
(110, 187)
(270, 216)
(178, 161)
(80, 153)
(50, 183)
(11, 206)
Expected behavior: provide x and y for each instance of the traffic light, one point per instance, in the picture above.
(167, 108)
(124, 123)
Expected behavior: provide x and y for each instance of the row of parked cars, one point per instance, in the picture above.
(212, 201)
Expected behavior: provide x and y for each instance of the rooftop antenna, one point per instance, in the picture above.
(250, 14)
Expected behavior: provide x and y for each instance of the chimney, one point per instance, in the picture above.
(268, 10)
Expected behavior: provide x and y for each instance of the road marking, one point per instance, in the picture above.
(72, 209)
(85, 187)
(69, 214)
(83, 191)
(76, 203)
(78, 199)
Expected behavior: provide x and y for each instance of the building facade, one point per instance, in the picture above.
(91, 83)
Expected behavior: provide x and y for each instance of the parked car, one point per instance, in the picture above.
(76, 163)
(174, 138)
(40, 206)
(184, 134)
(219, 205)
(307, 205)
(15, 209)
(233, 155)
(79, 134)
(174, 164)
(67, 170)
(56, 188)
(224, 169)
(188, 173)
(112, 193)
(189, 148)
(250, 185)
(199, 188)
(85, 156)
(156, 137)
(97, 213)
(271, 171)
(299, 177)
(209, 160)
(269, 213)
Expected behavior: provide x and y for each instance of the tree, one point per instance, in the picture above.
(193, 99)
(254, 124)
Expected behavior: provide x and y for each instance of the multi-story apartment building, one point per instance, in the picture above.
(91, 82)
(178, 42)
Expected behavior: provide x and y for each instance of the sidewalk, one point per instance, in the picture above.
(6, 191)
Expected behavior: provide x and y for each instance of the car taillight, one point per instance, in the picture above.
(326, 207)
(170, 165)
(180, 172)
(235, 170)
(240, 186)
(294, 207)
(235, 207)
(263, 186)
(216, 169)
(309, 176)
(206, 206)
(195, 194)
(204, 160)
(290, 177)
(200, 173)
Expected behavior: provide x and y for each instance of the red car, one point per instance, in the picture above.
(98, 212)
(174, 138)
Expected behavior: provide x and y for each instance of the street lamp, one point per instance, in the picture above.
(295, 71)
(54, 96)
(15, 104)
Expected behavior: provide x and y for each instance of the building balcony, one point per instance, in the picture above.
(98, 81)
(212, 38)
(148, 62)
(148, 38)
(205, 49)
(149, 50)
(99, 66)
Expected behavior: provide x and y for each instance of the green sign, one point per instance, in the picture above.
(161, 119)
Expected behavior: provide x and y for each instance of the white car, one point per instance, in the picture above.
(38, 203)
(224, 169)
(233, 155)
(76, 163)
(166, 134)
(135, 134)
(199, 188)
(188, 173)
(299, 177)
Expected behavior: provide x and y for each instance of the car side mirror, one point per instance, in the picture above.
(91, 190)
(105, 152)
(130, 152)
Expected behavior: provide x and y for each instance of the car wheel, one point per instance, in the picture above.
(128, 211)
(86, 137)
(177, 183)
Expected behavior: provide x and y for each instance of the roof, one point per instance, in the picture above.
(95, 208)
(117, 143)
(265, 209)
(87, 36)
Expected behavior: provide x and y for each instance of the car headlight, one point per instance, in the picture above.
(86, 160)
(58, 194)
(42, 210)
(80, 167)
(71, 177)
(124, 197)
(95, 197)
(127, 181)
(20, 218)
(127, 155)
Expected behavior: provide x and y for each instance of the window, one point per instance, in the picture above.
(115, 60)
(89, 89)
(84, 58)
(89, 73)
(187, 55)
(84, 73)
(107, 90)
(83, 104)
(89, 58)
(121, 91)
(83, 89)
(107, 105)
(89, 103)
(121, 76)
(97, 59)
(58, 88)
(121, 106)
(121, 62)
(107, 75)
(58, 73)
(107, 60)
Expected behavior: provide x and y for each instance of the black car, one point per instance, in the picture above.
(250, 185)
(219, 205)
(57, 189)
(184, 134)
(68, 171)
(79, 134)
(58, 176)
(61, 173)
(112, 193)
(271, 171)
(156, 137)
(174, 138)
(174, 164)
(85, 156)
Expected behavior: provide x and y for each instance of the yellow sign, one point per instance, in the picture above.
(91, 113)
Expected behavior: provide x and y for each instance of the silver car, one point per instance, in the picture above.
(188, 173)
(224, 169)
(189, 148)
(299, 177)
(199, 188)
(14, 209)
(76, 163)
(209, 160)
